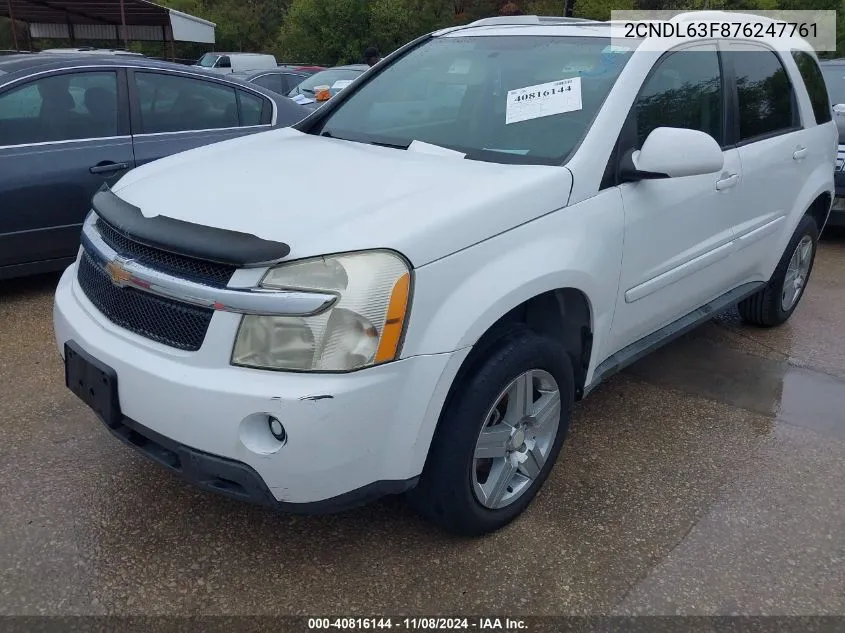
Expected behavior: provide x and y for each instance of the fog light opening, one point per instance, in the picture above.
(277, 430)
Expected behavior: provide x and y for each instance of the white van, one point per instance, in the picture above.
(236, 62)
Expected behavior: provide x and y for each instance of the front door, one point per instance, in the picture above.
(678, 234)
(61, 137)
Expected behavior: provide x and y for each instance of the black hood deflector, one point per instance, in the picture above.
(211, 244)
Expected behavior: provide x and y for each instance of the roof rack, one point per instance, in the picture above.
(527, 20)
(715, 16)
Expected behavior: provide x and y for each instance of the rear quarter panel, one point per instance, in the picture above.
(821, 140)
(817, 172)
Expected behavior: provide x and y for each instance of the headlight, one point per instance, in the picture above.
(362, 328)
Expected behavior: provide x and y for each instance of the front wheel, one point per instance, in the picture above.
(775, 303)
(499, 437)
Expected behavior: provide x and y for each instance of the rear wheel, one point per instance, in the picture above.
(499, 437)
(776, 302)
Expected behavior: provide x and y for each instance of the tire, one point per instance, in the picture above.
(766, 308)
(450, 488)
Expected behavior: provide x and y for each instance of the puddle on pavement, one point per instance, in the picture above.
(774, 388)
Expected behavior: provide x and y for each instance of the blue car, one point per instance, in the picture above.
(71, 123)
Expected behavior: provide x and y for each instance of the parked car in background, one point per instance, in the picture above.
(336, 78)
(90, 50)
(280, 80)
(833, 71)
(305, 68)
(69, 124)
(236, 62)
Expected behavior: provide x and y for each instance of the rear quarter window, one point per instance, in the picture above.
(813, 79)
(765, 95)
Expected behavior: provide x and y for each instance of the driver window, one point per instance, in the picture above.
(224, 62)
(684, 90)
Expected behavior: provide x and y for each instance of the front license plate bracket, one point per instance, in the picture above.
(94, 382)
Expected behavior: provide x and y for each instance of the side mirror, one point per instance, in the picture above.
(839, 109)
(670, 152)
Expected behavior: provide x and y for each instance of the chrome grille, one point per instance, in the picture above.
(163, 320)
(206, 272)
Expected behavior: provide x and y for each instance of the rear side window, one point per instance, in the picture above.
(684, 90)
(814, 81)
(70, 106)
(764, 92)
(274, 82)
(173, 103)
(292, 81)
(252, 107)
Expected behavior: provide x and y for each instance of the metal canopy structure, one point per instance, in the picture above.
(107, 20)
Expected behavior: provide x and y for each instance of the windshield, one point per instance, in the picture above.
(834, 78)
(208, 60)
(329, 78)
(526, 99)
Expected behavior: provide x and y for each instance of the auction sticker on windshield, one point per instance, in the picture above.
(534, 102)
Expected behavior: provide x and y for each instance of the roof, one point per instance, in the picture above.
(239, 54)
(252, 74)
(27, 63)
(347, 67)
(507, 24)
(529, 25)
(92, 51)
(103, 19)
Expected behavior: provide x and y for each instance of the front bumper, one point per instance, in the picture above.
(236, 479)
(350, 437)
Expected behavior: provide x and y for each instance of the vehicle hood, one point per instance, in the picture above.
(321, 195)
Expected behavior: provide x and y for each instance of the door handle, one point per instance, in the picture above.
(107, 167)
(727, 182)
(799, 153)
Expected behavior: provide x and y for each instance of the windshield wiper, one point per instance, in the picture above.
(366, 140)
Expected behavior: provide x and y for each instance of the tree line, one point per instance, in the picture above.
(330, 32)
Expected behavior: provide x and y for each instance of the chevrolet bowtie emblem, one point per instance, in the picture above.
(119, 275)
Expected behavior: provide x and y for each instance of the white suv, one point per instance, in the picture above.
(408, 290)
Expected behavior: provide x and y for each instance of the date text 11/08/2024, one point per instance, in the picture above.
(417, 624)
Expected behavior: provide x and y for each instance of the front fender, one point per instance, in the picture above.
(457, 298)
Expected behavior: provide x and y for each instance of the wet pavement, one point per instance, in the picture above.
(709, 478)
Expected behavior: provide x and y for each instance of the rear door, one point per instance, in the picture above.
(62, 136)
(773, 149)
(174, 112)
